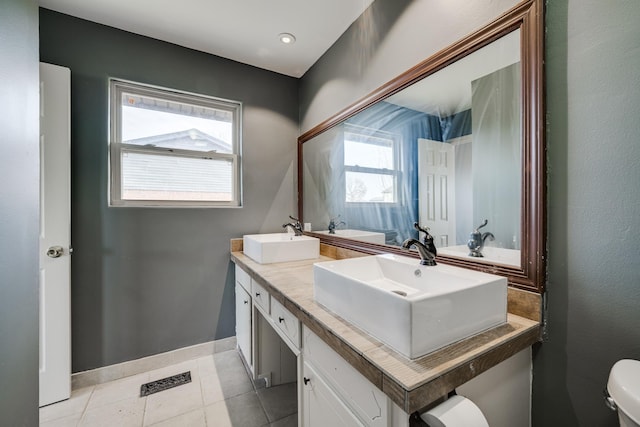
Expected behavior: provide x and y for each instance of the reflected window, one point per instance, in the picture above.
(371, 161)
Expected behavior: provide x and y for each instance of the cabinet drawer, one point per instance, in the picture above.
(286, 322)
(243, 278)
(366, 400)
(260, 296)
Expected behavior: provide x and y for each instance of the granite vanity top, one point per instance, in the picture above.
(411, 384)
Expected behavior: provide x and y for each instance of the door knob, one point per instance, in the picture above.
(55, 251)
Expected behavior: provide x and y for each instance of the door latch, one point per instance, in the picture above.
(55, 252)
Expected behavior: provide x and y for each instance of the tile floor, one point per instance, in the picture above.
(220, 394)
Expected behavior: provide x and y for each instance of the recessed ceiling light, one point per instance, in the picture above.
(287, 38)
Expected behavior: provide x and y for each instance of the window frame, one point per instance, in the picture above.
(117, 148)
(366, 135)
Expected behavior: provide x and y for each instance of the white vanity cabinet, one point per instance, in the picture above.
(244, 309)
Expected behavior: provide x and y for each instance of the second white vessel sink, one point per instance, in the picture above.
(412, 308)
(280, 247)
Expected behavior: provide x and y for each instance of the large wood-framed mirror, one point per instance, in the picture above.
(454, 141)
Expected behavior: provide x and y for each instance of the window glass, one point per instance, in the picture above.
(147, 120)
(148, 176)
(372, 154)
(370, 187)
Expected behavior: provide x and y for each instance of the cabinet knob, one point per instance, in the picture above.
(306, 380)
(246, 302)
(280, 319)
(257, 294)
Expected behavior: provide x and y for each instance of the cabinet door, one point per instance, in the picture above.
(361, 396)
(243, 323)
(321, 406)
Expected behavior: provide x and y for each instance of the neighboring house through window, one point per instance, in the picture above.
(170, 148)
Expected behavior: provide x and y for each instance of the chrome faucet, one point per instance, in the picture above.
(295, 225)
(426, 248)
(477, 239)
(332, 225)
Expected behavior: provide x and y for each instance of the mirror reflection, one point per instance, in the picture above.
(444, 152)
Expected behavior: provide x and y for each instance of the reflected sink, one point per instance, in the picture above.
(492, 255)
(412, 308)
(362, 235)
(280, 247)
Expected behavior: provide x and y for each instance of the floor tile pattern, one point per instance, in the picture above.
(220, 394)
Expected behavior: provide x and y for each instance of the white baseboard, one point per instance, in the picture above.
(157, 361)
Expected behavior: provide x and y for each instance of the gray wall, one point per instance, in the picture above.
(593, 110)
(593, 106)
(389, 38)
(146, 281)
(19, 213)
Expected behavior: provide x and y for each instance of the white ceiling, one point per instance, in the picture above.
(243, 30)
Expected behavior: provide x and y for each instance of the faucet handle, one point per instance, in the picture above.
(293, 219)
(428, 238)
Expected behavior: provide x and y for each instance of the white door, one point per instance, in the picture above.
(436, 186)
(55, 234)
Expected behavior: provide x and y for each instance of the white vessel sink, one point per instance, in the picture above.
(361, 235)
(492, 255)
(280, 247)
(412, 308)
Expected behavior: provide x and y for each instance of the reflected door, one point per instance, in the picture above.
(436, 164)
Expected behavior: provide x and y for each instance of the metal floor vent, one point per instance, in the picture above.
(165, 384)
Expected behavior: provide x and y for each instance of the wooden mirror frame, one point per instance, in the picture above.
(528, 17)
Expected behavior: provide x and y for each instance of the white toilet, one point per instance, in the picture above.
(623, 389)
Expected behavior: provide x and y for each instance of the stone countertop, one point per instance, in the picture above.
(413, 384)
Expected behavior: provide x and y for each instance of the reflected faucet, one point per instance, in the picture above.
(477, 239)
(295, 225)
(332, 224)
